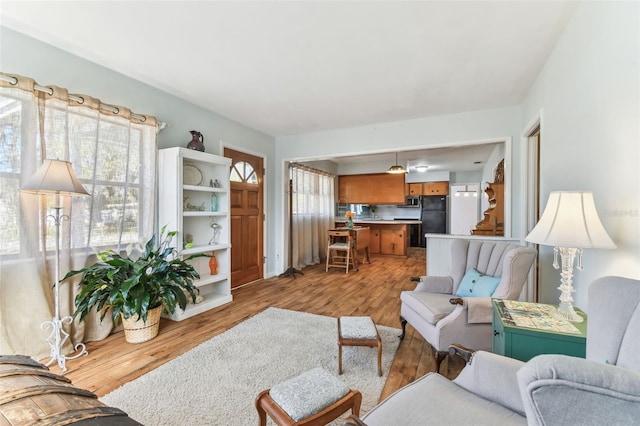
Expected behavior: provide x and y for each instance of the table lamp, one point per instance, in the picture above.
(56, 177)
(569, 223)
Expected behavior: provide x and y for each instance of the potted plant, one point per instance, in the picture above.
(137, 289)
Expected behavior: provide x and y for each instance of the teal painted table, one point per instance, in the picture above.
(512, 339)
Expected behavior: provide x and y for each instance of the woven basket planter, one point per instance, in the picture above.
(137, 331)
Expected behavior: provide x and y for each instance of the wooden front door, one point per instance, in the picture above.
(247, 174)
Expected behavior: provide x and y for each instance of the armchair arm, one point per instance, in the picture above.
(479, 309)
(435, 285)
(559, 389)
(493, 377)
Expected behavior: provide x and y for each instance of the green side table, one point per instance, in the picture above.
(525, 333)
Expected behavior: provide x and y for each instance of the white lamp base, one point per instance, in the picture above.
(566, 312)
(565, 309)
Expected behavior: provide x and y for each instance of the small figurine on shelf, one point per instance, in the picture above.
(216, 229)
(188, 241)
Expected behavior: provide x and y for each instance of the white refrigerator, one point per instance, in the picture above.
(464, 208)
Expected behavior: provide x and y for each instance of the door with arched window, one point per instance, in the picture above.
(247, 217)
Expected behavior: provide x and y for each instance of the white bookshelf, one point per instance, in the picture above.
(184, 203)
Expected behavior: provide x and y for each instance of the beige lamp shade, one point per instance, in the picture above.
(570, 219)
(54, 177)
(396, 168)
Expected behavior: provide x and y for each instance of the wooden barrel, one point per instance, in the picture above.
(32, 395)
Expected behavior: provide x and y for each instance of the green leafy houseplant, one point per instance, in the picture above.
(133, 287)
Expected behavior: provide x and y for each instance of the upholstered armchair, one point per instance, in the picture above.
(457, 308)
(603, 389)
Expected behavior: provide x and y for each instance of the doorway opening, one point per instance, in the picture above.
(531, 203)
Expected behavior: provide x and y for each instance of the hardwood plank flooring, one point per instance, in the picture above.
(374, 290)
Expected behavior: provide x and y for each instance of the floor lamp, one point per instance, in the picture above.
(56, 177)
(291, 271)
(569, 223)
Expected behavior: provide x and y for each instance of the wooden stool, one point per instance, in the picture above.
(340, 253)
(312, 398)
(358, 331)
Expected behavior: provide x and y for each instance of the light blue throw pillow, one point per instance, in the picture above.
(475, 284)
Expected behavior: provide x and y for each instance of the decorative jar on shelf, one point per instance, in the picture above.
(197, 141)
(213, 264)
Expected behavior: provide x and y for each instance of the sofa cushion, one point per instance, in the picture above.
(432, 307)
(434, 400)
(475, 284)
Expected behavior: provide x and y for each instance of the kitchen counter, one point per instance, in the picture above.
(387, 236)
(380, 221)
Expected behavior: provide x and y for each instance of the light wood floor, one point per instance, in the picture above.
(374, 290)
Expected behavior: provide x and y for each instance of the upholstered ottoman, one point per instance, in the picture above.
(358, 331)
(312, 398)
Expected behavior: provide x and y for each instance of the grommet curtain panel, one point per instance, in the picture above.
(313, 214)
(113, 153)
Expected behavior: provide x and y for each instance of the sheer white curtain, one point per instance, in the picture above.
(114, 156)
(313, 213)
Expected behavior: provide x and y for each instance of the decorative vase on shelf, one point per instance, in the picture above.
(214, 203)
(197, 141)
(213, 264)
(349, 223)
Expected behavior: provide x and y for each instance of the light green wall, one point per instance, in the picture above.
(48, 65)
(588, 93)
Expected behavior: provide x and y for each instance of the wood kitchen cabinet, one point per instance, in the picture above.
(435, 188)
(374, 240)
(414, 189)
(393, 241)
(376, 188)
(388, 239)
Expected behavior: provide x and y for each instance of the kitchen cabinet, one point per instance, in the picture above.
(374, 240)
(435, 188)
(193, 199)
(385, 238)
(376, 188)
(393, 240)
(414, 189)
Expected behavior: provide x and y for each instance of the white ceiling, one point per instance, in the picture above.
(302, 66)
(466, 158)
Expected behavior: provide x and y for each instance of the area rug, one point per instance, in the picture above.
(217, 382)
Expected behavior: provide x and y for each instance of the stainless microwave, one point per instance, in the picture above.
(413, 201)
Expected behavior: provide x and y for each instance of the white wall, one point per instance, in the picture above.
(432, 132)
(47, 65)
(588, 92)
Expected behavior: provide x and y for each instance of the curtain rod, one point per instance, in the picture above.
(12, 80)
(310, 169)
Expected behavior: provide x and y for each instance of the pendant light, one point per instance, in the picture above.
(397, 168)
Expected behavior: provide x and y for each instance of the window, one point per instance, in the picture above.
(108, 155)
(113, 153)
(243, 172)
